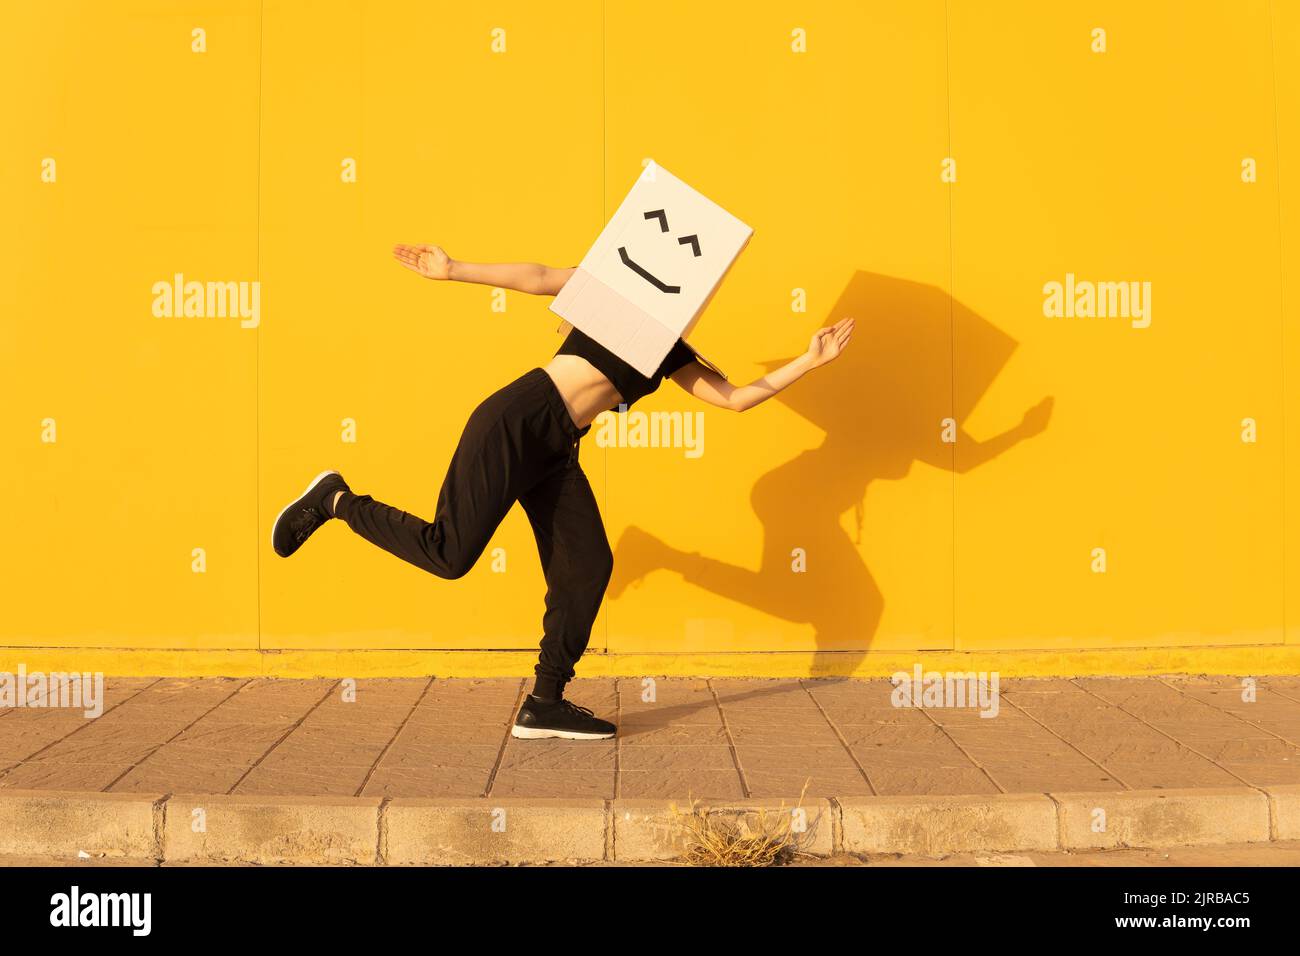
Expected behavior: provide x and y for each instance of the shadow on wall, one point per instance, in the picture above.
(881, 405)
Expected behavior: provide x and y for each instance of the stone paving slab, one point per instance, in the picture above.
(421, 771)
(727, 739)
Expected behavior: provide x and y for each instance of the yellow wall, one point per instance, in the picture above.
(176, 434)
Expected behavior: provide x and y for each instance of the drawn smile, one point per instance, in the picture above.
(652, 279)
(662, 218)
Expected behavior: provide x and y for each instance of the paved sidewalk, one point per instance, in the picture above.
(714, 739)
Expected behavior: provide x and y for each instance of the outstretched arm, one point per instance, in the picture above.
(709, 386)
(434, 263)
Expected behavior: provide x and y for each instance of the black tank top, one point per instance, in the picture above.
(630, 383)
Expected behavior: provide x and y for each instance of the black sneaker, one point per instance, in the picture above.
(558, 718)
(300, 518)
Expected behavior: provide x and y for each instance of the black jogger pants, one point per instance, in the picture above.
(520, 444)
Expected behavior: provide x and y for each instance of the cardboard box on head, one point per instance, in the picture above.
(652, 270)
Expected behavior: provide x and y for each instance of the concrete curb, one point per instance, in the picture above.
(934, 826)
(1284, 811)
(60, 823)
(202, 828)
(1155, 818)
(191, 828)
(457, 832)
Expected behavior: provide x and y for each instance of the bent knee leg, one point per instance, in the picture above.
(445, 555)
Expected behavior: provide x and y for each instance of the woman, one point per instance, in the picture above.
(521, 444)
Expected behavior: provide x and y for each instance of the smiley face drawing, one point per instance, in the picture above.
(692, 240)
(653, 269)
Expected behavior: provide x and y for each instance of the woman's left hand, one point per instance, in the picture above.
(828, 343)
(432, 262)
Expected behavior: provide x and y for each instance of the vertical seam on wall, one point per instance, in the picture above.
(1281, 298)
(257, 344)
(952, 328)
(599, 225)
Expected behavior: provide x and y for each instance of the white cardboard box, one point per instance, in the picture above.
(652, 270)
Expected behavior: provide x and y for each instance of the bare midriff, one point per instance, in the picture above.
(586, 392)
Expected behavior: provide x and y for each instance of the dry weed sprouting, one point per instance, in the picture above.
(756, 837)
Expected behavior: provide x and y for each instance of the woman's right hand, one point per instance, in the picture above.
(429, 261)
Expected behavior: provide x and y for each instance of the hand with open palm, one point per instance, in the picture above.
(827, 344)
(429, 261)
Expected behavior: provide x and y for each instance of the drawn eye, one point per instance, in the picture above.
(661, 216)
(694, 243)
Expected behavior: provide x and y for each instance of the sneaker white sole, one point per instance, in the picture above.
(312, 484)
(537, 733)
